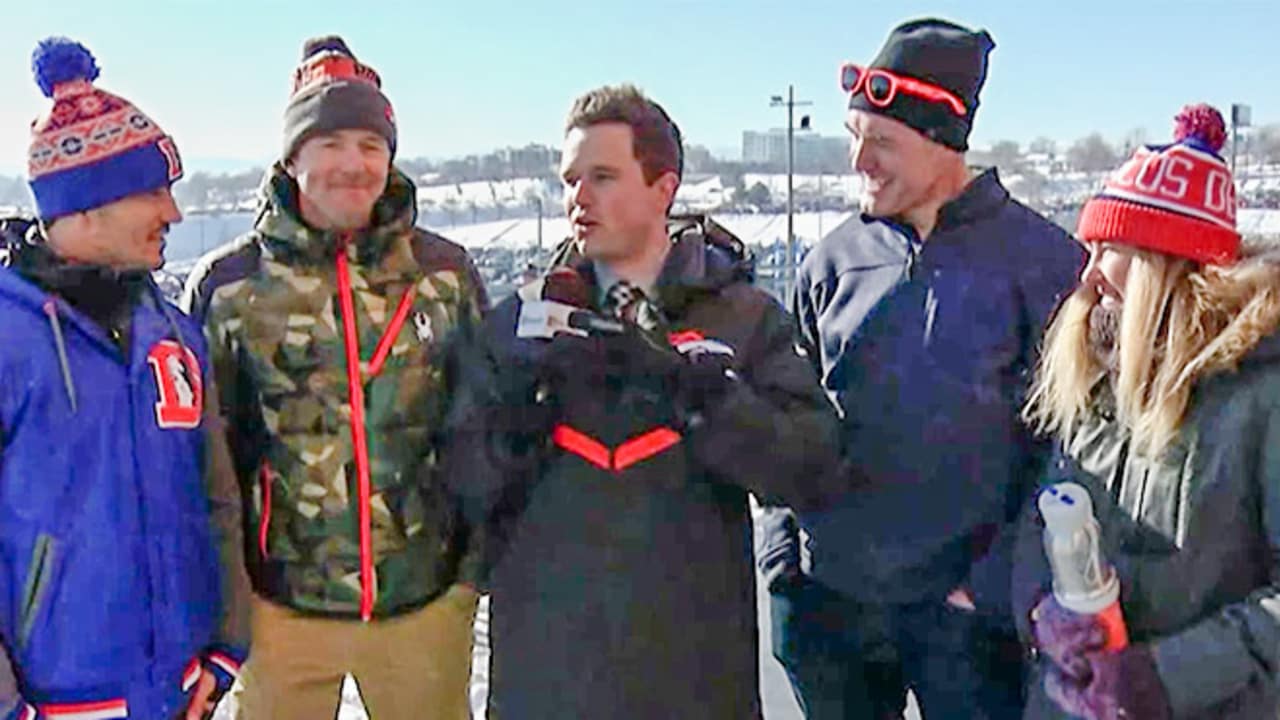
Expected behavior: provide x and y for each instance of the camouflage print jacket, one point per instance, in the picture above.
(345, 514)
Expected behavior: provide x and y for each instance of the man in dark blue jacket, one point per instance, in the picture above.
(922, 314)
(111, 604)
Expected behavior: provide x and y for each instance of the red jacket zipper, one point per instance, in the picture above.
(355, 392)
(264, 523)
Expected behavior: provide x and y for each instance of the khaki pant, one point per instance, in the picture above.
(412, 667)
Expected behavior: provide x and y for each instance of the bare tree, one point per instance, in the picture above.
(1030, 187)
(193, 190)
(1006, 155)
(493, 195)
(1092, 154)
(1044, 146)
(1133, 140)
(758, 195)
(1266, 143)
(450, 207)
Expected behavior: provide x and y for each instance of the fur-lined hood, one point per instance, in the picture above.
(1251, 335)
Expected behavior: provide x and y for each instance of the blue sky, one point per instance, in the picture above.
(469, 75)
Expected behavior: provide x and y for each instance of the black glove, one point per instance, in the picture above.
(570, 360)
(693, 381)
(704, 379)
(519, 415)
(641, 356)
(520, 406)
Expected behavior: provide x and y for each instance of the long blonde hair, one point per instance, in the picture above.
(1179, 322)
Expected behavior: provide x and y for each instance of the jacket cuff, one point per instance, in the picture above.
(23, 711)
(224, 661)
(990, 579)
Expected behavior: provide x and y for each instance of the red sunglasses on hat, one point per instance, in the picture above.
(881, 86)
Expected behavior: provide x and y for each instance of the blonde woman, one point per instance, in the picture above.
(1161, 378)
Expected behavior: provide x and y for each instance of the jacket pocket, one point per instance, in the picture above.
(36, 589)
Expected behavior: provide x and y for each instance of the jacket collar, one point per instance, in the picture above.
(982, 197)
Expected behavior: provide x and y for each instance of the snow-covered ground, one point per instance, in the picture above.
(753, 229)
(1262, 223)
(486, 193)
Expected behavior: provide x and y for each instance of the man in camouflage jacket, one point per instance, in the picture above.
(325, 324)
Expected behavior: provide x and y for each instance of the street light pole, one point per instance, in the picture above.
(1241, 116)
(776, 101)
(536, 201)
(791, 230)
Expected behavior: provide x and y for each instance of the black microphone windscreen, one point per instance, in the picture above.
(566, 285)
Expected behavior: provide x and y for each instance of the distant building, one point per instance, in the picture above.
(529, 161)
(813, 152)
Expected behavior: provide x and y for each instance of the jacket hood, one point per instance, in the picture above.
(31, 279)
(1250, 337)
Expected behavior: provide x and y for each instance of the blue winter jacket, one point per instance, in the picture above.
(109, 584)
(926, 349)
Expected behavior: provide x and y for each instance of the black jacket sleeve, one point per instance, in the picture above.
(467, 376)
(777, 534)
(491, 442)
(806, 323)
(773, 432)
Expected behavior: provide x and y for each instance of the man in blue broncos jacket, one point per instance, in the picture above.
(922, 314)
(111, 604)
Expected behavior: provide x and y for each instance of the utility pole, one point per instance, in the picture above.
(536, 201)
(791, 104)
(1241, 116)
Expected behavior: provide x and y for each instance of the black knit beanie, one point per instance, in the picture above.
(334, 91)
(939, 53)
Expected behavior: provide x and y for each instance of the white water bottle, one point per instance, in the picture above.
(1083, 581)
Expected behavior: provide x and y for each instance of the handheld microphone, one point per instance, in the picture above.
(562, 309)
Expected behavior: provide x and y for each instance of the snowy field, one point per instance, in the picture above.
(753, 229)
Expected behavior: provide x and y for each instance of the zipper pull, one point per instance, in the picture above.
(913, 249)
